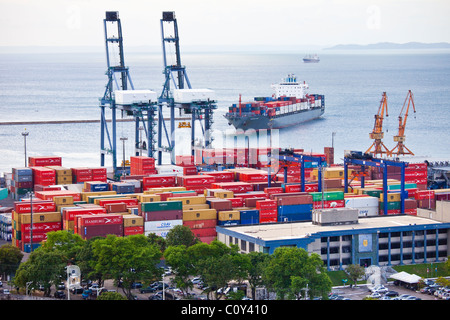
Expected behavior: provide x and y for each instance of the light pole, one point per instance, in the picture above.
(25, 134)
(123, 139)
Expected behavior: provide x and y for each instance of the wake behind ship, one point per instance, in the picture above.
(290, 105)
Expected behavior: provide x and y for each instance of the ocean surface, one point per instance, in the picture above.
(64, 86)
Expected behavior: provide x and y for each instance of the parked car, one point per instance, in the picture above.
(403, 296)
(60, 294)
(375, 295)
(147, 289)
(136, 285)
(391, 293)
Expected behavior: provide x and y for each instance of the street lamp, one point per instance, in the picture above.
(25, 134)
(123, 139)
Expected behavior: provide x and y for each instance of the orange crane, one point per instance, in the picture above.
(377, 134)
(400, 138)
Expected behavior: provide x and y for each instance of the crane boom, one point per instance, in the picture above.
(377, 133)
(400, 148)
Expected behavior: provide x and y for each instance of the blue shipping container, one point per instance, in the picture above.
(306, 216)
(295, 208)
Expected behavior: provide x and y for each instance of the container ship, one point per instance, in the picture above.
(290, 105)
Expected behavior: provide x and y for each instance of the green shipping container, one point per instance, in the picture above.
(373, 193)
(162, 206)
(399, 186)
(394, 205)
(328, 195)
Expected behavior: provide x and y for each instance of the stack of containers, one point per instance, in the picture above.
(123, 187)
(393, 203)
(294, 206)
(99, 174)
(161, 216)
(331, 199)
(21, 183)
(142, 165)
(198, 182)
(267, 211)
(63, 175)
(133, 224)
(45, 219)
(6, 226)
(228, 217)
(100, 225)
(69, 215)
(202, 223)
(417, 173)
(426, 199)
(80, 175)
(43, 176)
(297, 187)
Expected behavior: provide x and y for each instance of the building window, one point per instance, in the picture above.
(243, 245)
(251, 247)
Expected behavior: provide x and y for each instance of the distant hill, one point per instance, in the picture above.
(391, 45)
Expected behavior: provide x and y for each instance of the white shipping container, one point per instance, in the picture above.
(127, 97)
(161, 225)
(366, 206)
(190, 95)
(159, 233)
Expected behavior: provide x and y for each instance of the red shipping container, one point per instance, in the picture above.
(49, 195)
(273, 190)
(221, 176)
(236, 202)
(412, 212)
(115, 207)
(158, 181)
(37, 237)
(292, 200)
(128, 231)
(220, 204)
(164, 195)
(329, 204)
(198, 189)
(236, 187)
(251, 202)
(184, 160)
(204, 232)
(417, 166)
(43, 172)
(40, 227)
(207, 240)
(126, 201)
(425, 194)
(44, 161)
(200, 224)
(266, 213)
(268, 219)
(162, 215)
(191, 170)
(195, 180)
(70, 214)
(266, 204)
(38, 206)
(82, 171)
(99, 219)
(88, 232)
(292, 188)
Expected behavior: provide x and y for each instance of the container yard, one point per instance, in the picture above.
(156, 198)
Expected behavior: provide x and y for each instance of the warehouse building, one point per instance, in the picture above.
(349, 239)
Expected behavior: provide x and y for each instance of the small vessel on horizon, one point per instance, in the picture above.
(311, 58)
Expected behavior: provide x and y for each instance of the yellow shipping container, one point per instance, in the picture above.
(195, 206)
(85, 195)
(189, 200)
(61, 200)
(133, 220)
(149, 198)
(39, 217)
(164, 189)
(391, 197)
(224, 194)
(62, 171)
(229, 215)
(200, 214)
(63, 179)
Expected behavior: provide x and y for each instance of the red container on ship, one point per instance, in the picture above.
(43, 161)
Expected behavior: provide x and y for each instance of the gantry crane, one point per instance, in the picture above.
(198, 103)
(377, 133)
(121, 95)
(400, 148)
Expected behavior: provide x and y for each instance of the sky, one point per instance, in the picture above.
(211, 23)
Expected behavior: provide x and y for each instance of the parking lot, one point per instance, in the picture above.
(362, 291)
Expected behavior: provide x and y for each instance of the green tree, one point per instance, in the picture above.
(255, 270)
(127, 260)
(289, 270)
(215, 263)
(178, 258)
(86, 262)
(181, 235)
(44, 268)
(68, 244)
(10, 258)
(354, 272)
(111, 296)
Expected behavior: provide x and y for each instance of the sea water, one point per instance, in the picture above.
(65, 86)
